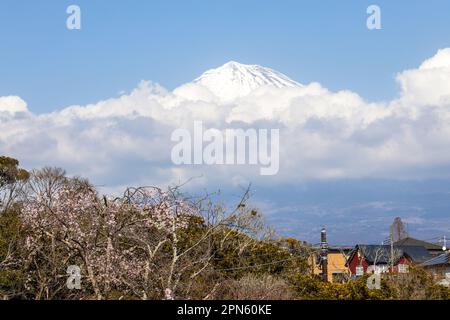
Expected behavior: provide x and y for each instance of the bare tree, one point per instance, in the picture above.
(382, 258)
(398, 230)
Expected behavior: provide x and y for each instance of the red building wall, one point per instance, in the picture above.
(356, 261)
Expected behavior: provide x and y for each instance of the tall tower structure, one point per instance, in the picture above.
(324, 254)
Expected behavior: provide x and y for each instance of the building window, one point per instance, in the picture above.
(403, 268)
(359, 271)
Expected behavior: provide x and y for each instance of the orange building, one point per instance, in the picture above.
(337, 258)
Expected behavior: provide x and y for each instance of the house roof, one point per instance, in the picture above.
(340, 249)
(438, 261)
(335, 249)
(382, 253)
(415, 242)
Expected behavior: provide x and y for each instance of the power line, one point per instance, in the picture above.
(258, 265)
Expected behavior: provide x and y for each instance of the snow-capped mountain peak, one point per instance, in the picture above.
(234, 80)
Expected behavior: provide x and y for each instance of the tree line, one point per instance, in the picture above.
(155, 243)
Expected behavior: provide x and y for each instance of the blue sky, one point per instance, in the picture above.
(172, 42)
(398, 164)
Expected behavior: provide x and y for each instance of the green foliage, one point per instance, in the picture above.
(416, 285)
(10, 232)
(313, 288)
(10, 171)
(242, 255)
(11, 236)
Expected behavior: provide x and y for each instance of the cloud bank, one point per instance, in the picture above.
(323, 134)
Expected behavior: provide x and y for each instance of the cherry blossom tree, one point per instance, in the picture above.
(149, 243)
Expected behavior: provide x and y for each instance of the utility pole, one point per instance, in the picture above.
(324, 254)
(392, 250)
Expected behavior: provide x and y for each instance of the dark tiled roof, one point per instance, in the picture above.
(438, 261)
(343, 249)
(416, 242)
(382, 253)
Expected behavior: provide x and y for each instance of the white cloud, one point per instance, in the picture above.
(324, 134)
(429, 85)
(12, 105)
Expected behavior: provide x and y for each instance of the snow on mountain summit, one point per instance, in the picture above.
(234, 80)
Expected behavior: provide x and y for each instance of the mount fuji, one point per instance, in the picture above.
(234, 80)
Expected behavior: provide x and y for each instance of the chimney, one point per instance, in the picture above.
(324, 254)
